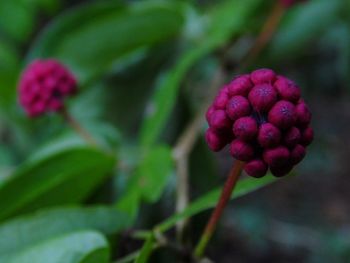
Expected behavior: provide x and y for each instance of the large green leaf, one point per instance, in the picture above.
(154, 172)
(302, 26)
(227, 20)
(78, 247)
(8, 78)
(210, 199)
(25, 231)
(17, 19)
(8, 55)
(90, 38)
(65, 177)
(58, 144)
(150, 178)
(8, 74)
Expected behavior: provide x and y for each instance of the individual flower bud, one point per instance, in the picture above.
(256, 168)
(241, 150)
(292, 137)
(219, 120)
(269, 135)
(282, 114)
(55, 105)
(262, 97)
(238, 106)
(221, 101)
(276, 156)
(215, 140)
(245, 128)
(307, 136)
(224, 90)
(287, 89)
(303, 114)
(38, 108)
(297, 154)
(263, 76)
(44, 85)
(240, 86)
(209, 112)
(283, 170)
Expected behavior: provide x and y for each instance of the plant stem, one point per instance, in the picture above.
(141, 234)
(183, 149)
(215, 216)
(187, 140)
(268, 30)
(129, 258)
(182, 195)
(77, 127)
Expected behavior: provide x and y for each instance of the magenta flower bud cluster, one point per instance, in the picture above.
(265, 121)
(289, 3)
(44, 85)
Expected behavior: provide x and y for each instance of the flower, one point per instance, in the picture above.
(44, 85)
(265, 121)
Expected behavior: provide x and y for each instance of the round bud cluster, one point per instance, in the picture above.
(265, 121)
(289, 3)
(44, 85)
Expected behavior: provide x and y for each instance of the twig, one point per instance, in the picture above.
(77, 127)
(129, 257)
(187, 139)
(141, 234)
(160, 241)
(215, 216)
(183, 148)
(182, 194)
(268, 30)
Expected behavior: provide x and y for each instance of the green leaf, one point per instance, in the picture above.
(149, 180)
(79, 247)
(25, 231)
(8, 75)
(90, 38)
(17, 19)
(303, 25)
(146, 250)
(8, 80)
(165, 96)
(65, 177)
(8, 56)
(210, 199)
(48, 6)
(129, 203)
(59, 144)
(154, 172)
(226, 21)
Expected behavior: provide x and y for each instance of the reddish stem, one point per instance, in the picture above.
(268, 30)
(215, 216)
(77, 127)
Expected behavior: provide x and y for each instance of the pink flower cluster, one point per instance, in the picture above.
(289, 3)
(265, 121)
(44, 85)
